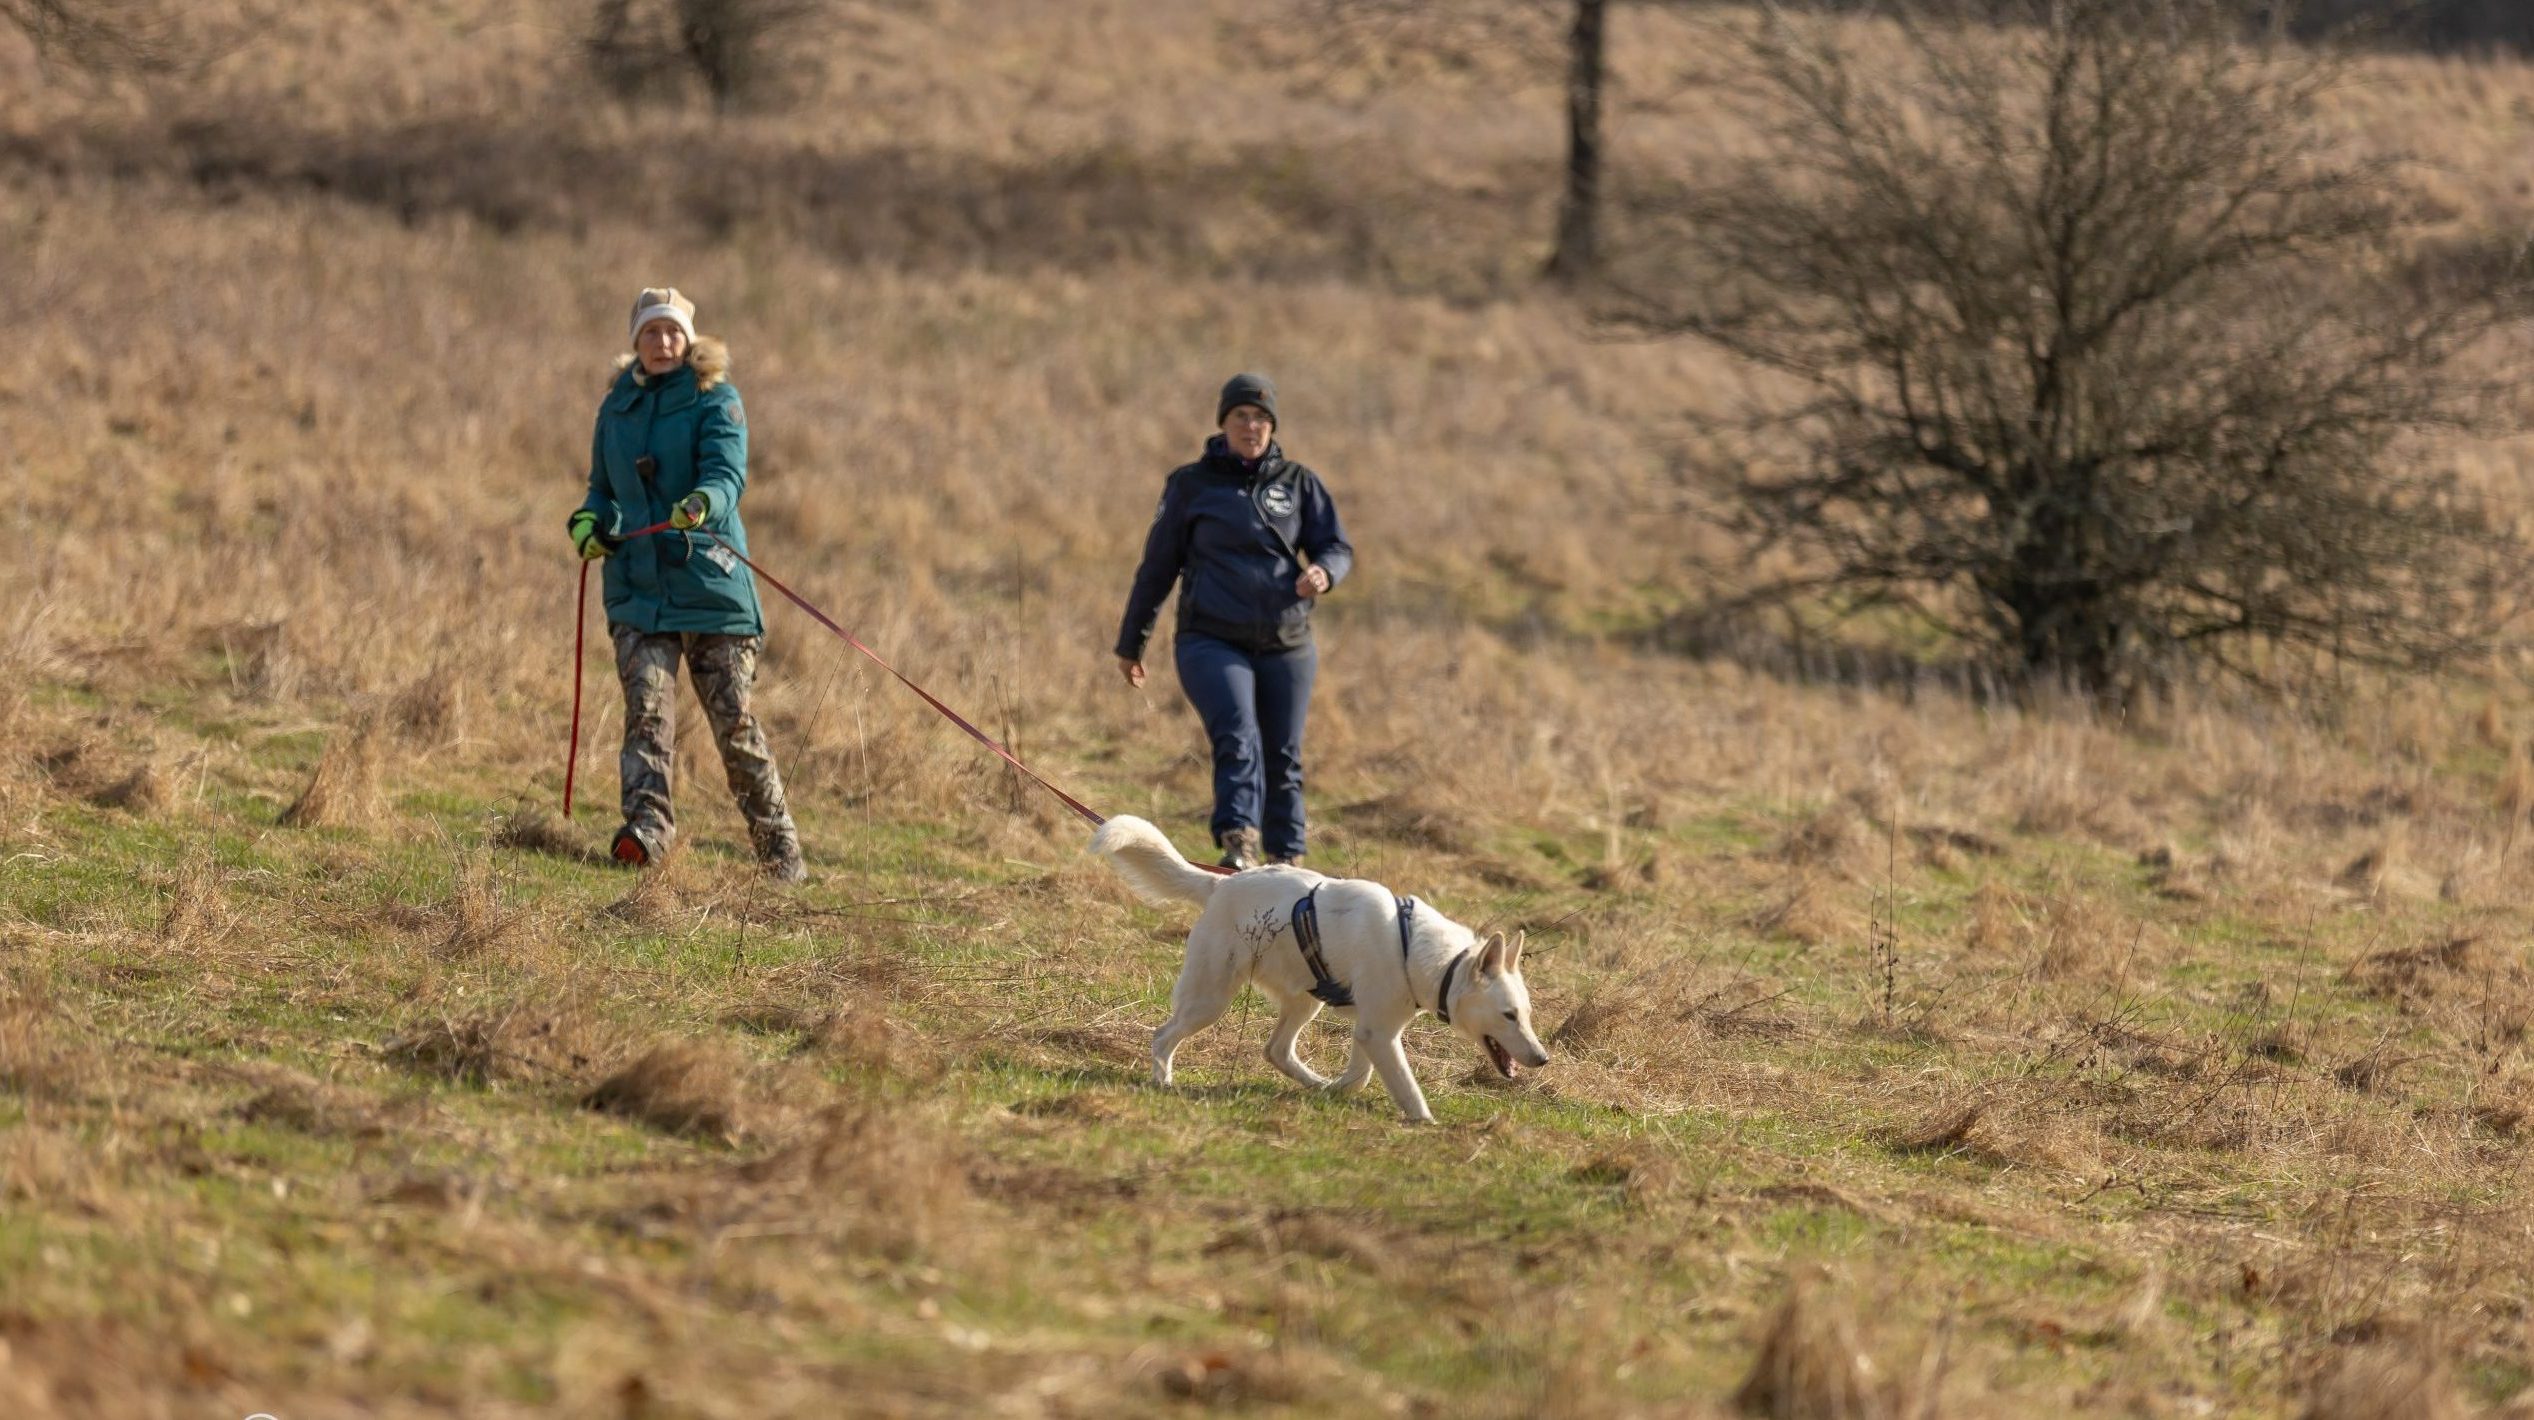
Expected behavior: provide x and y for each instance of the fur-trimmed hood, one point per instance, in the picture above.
(707, 356)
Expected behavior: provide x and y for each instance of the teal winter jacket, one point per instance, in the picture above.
(690, 425)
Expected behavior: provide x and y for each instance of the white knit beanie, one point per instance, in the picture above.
(663, 303)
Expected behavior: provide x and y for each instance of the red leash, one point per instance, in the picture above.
(580, 630)
(1088, 814)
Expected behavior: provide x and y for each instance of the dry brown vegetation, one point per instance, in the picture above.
(2173, 1065)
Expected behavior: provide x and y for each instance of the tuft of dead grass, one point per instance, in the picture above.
(531, 828)
(657, 899)
(687, 1088)
(520, 1042)
(147, 791)
(430, 710)
(197, 911)
(1810, 1364)
(474, 918)
(316, 1108)
(1806, 908)
(1409, 818)
(1998, 924)
(1831, 840)
(897, 1183)
(1945, 1131)
(343, 790)
(36, 1056)
(2396, 1379)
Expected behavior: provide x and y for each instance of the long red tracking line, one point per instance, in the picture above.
(1089, 815)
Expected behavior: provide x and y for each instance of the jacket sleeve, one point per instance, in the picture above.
(721, 452)
(1165, 553)
(1323, 537)
(601, 499)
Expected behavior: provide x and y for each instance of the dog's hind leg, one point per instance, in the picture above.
(1359, 1062)
(1392, 1061)
(1297, 1013)
(1205, 991)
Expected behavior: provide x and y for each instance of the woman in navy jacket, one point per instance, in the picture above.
(1251, 540)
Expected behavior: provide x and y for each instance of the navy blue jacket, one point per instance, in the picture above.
(1234, 540)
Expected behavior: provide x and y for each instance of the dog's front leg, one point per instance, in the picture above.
(1392, 1061)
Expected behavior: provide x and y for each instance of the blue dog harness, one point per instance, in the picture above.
(1333, 992)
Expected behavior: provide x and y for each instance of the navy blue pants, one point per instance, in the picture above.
(1252, 703)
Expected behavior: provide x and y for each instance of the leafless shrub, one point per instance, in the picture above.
(681, 1087)
(2102, 358)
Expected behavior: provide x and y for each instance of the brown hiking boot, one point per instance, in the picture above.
(1240, 849)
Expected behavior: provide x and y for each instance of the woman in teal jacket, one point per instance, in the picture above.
(672, 446)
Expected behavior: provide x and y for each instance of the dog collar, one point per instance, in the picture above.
(1443, 992)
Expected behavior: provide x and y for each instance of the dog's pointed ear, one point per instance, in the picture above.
(1513, 952)
(1491, 957)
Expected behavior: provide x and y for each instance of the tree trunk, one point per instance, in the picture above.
(1578, 219)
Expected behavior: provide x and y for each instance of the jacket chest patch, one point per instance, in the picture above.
(1276, 500)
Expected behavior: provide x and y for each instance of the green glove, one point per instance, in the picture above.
(585, 538)
(691, 510)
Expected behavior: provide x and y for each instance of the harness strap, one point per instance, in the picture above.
(1306, 935)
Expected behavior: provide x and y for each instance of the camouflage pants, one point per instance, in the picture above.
(724, 669)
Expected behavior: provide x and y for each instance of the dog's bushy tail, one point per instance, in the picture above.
(1149, 864)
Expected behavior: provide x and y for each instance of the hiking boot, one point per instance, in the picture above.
(628, 849)
(782, 860)
(1284, 860)
(1240, 850)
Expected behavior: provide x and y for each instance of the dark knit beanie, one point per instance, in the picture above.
(1246, 389)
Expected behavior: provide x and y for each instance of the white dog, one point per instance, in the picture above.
(1309, 940)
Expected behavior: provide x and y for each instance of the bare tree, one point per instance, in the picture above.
(1570, 35)
(2084, 340)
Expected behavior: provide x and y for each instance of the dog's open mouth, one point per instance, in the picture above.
(1501, 1058)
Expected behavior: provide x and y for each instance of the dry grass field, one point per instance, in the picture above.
(1917, 1056)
